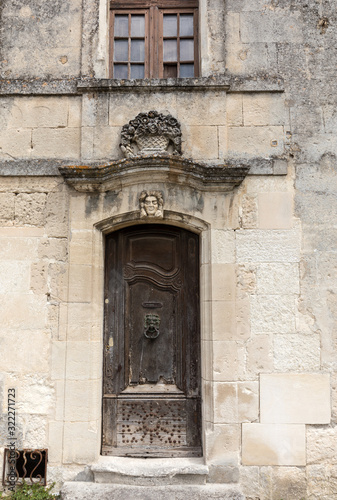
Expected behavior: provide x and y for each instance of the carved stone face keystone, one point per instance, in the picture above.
(151, 204)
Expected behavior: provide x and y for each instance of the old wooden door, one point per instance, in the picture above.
(151, 389)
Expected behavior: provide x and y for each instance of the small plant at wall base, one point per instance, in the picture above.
(26, 491)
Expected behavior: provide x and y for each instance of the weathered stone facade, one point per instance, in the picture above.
(264, 106)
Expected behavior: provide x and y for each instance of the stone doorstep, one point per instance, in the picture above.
(150, 471)
(94, 491)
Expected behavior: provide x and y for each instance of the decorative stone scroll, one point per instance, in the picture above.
(151, 204)
(152, 133)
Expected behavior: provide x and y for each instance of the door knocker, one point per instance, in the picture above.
(151, 326)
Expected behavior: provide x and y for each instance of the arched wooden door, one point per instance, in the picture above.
(151, 383)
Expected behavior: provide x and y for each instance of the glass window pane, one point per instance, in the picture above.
(137, 71)
(137, 50)
(138, 25)
(186, 71)
(186, 25)
(121, 25)
(170, 50)
(121, 50)
(170, 25)
(186, 50)
(120, 71)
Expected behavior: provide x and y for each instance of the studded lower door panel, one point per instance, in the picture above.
(153, 427)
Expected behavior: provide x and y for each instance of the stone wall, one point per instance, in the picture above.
(268, 274)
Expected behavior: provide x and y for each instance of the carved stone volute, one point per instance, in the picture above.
(151, 133)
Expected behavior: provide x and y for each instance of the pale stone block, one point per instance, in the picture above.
(43, 111)
(58, 278)
(249, 212)
(53, 249)
(34, 430)
(223, 246)
(106, 142)
(272, 313)
(56, 143)
(232, 28)
(253, 141)
(81, 442)
(234, 110)
(268, 184)
(7, 206)
(207, 360)
(14, 276)
(80, 321)
(289, 483)
(275, 210)
(83, 360)
(58, 360)
(268, 246)
(322, 481)
(277, 278)
(250, 482)
(82, 400)
(223, 282)
(30, 208)
(37, 395)
(80, 282)
(17, 248)
(23, 312)
(74, 112)
(59, 399)
(271, 26)
(15, 144)
(259, 355)
(225, 403)
(296, 352)
(210, 105)
(39, 277)
(205, 256)
(248, 401)
(87, 143)
(24, 352)
(200, 142)
(273, 444)
(228, 358)
(223, 445)
(295, 398)
(80, 247)
(245, 279)
(321, 445)
(206, 320)
(224, 320)
(57, 213)
(55, 442)
(263, 109)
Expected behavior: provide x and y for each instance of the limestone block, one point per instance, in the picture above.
(87, 143)
(225, 403)
(34, 430)
(30, 208)
(223, 445)
(259, 355)
(248, 401)
(296, 352)
(7, 206)
(80, 283)
(223, 282)
(334, 396)
(295, 398)
(269, 26)
(322, 481)
(24, 352)
(267, 245)
(243, 58)
(95, 110)
(106, 142)
(79, 321)
(80, 248)
(223, 246)
(206, 320)
(81, 442)
(16, 248)
(275, 210)
(39, 112)
(200, 142)
(321, 445)
(277, 278)
(82, 400)
(207, 360)
(57, 213)
(58, 360)
(232, 28)
(59, 400)
(250, 482)
(228, 358)
(211, 106)
(15, 144)
(14, 276)
(74, 112)
(223, 474)
(234, 110)
(253, 141)
(58, 276)
(83, 360)
(55, 442)
(289, 483)
(23, 311)
(273, 444)
(37, 395)
(267, 184)
(56, 143)
(272, 313)
(249, 212)
(246, 279)
(39, 277)
(263, 109)
(53, 249)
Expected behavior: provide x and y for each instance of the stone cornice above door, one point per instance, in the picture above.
(156, 168)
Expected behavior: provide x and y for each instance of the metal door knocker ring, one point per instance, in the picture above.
(151, 326)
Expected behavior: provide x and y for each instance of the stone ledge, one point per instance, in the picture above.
(94, 491)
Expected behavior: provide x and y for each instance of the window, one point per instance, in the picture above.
(151, 39)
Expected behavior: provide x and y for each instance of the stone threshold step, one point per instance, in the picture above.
(94, 491)
(150, 471)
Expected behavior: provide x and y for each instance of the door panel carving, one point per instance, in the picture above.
(151, 400)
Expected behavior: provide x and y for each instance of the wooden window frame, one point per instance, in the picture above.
(154, 11)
